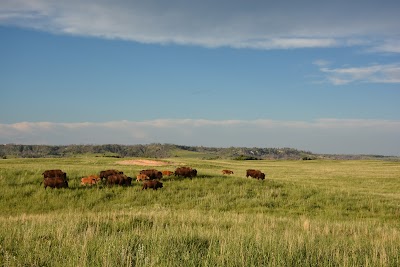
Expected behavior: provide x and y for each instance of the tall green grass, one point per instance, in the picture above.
(306, 213)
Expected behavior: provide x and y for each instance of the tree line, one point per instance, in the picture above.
(165, 151)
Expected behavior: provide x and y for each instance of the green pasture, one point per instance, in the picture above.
(306, 213)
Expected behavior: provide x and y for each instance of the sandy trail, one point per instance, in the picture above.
(143, 162)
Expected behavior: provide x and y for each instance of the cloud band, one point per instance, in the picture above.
(320, 136)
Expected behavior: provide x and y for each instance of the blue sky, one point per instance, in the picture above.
(315, 75)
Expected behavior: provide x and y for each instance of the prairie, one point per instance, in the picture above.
(305, 213)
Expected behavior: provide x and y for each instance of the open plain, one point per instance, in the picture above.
(305, 213)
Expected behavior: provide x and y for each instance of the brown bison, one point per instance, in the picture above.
(227, 172)
(118, 179)
(55, 182)
(186, 172)
(142, 177)
(152, 174)
(106, 173)
(54, 173)
(257, 174)
(90, 180)
(167, 173)
(152, 184)
(128, 181)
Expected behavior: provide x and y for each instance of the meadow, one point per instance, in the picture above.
(305, 213)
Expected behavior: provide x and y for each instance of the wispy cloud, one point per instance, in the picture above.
(323, 135)
(384, 73)
(259, 25)
(321, 63)
(387, 46)
(287, 43)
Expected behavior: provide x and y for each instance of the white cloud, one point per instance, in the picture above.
(355, 136)
(239, 24)
(385, 73)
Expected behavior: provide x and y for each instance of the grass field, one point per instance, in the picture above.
(306, 213)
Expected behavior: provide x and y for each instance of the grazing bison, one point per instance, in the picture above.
(55, 182)
(142, 177)
(257, 174)
(152, 174)
(54, 173)
(152, 184)
(128, 181)
(118, 179)
(106, 173)
(186, 172)
(167, 173)
(227, 172)
(90, 180)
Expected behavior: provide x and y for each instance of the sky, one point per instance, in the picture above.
(321, 76)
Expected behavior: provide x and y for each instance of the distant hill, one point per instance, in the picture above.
(169, 150)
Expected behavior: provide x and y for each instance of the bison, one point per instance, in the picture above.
(54, 173)
(90, 180)
(55, 182)
(167, 173)
(142, 177)
(152, 184)
(186, 172)
(257, 174)
(106, 173)
(227, 172)
(128, 181)
(152, 174)
(118, 179)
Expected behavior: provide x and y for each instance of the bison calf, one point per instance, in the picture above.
(152, 184)
(90, 180)
(142, 177)
(227, 172)
(167, 173)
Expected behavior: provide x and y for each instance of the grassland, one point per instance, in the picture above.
(306, 213)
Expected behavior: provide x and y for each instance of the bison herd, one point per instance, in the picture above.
(150, 178)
